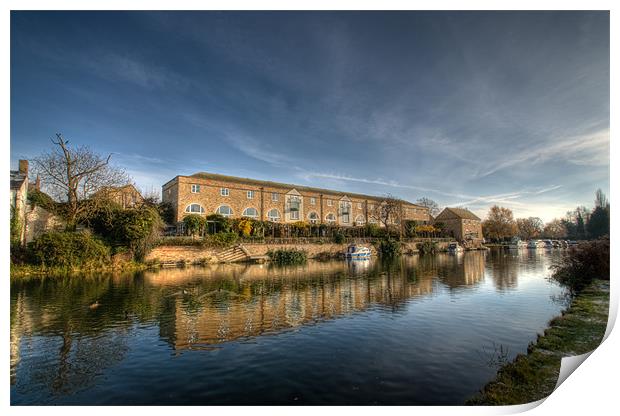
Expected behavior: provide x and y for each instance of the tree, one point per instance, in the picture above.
(499, 223)
(598, 222)
(529, 228)
(433, 207)
(72, 175)
(388, 211)
(555, 229)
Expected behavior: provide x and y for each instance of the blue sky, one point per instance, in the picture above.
(469, 109)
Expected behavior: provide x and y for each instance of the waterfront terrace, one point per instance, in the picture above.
(233, 197)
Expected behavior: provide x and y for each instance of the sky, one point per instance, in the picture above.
(470, 109)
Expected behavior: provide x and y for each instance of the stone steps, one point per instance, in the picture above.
(233, 254)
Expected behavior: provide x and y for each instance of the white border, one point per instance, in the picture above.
(589, 391)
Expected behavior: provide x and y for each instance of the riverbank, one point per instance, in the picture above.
(532, 377)
(29, 271)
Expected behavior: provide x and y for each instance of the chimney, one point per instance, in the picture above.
(37, 184)
(23, 167)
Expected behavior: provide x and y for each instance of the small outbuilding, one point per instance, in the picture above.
(460, 223)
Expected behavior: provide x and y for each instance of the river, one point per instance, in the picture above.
(428, 329)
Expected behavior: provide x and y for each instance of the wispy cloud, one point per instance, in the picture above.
(587, 149)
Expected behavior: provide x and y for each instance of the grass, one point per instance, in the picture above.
(28, 271)
(532, 377)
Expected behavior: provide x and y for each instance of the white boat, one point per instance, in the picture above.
(357, 252)
(535, 244)
(516, 244)
(455, 248)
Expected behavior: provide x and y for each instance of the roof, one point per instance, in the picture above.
(461, 213)
(125, 188)
(17, 179)
(218, 177)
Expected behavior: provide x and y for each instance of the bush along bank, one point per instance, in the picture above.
(291, 256)
(580, 329)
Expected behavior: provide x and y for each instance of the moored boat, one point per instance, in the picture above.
(455, 248)
(357, 252)
(516, 244)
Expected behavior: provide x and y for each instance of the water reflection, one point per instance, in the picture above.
(59, 345)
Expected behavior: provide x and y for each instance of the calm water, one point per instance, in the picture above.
(422, 330)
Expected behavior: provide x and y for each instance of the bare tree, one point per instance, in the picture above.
(433, 207)
(73, 175)
(388, 212)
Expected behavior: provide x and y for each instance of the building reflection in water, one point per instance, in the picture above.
(196, 308)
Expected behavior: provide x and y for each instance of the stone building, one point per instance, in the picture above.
(234, 197)
(19, 197)
(461, 224)
(126, 196)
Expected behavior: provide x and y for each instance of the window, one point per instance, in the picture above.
(224, 210)
(250, 212)
(329, 202)
(195, 189)
(224, 192)
(330, 218)
(313, 218)
(312, 201)
(273, 215)
(250, 194)
(294, 206)
(195, 209)
(359, 220)
(274, 196)
(345, 212)
(359, 205)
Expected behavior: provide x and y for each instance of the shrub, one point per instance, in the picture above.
(339, 238)
(221, 240)
(68, 249)
(290, 256)
(217, 223)
(194, 224)
(389, 248)
(583, 263)
(427, 247)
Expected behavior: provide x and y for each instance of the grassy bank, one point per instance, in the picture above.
(532, 377)
(28, 271)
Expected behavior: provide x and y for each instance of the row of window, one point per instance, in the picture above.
(273, 214)
(274, 196)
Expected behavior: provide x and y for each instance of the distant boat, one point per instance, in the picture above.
(516, 244)
(455, 248)
(535, 244)
(357, 252)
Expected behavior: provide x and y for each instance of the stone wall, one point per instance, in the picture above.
(39, 220)
(196, 254)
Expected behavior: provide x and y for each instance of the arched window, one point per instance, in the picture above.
(330, 218)
(224, 210)
(313, 218)
(359, 220)
(250, 212)
(195, 209)
(273, 215)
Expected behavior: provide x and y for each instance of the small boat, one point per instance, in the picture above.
(357, 252)
(535, 244)
(516, 244)
(455, 248)
(548, 244)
